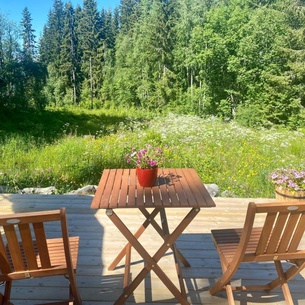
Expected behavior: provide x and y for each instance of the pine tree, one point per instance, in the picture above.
(50, 44)
(28, 36)
(50, 53)
(129, 14)
(150, 59)
(2, 71)
(91, 48)
(70, 59)
(33, 71)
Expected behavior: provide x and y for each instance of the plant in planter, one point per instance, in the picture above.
(289, 183)
(147, 160)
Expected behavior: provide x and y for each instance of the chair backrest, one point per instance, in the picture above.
(282, 231)
(23, 242)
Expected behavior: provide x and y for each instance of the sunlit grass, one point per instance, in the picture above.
(237, 159)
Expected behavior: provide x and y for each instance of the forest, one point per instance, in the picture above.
(237, 60)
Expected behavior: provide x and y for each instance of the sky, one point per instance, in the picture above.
(39, 10)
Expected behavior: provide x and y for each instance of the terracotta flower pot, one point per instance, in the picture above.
(147, 177)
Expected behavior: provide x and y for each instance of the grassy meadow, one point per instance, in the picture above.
(69, 148)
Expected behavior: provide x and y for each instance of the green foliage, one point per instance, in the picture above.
(203, 57)
(249, 116)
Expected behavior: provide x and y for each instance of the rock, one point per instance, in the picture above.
(39, 190)
(213, 189)
(227, 193)
(86, 190)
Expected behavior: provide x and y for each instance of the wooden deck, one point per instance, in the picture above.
(100, 241)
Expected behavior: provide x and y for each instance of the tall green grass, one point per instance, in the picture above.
(239, 160)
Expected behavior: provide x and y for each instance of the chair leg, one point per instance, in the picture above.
(230, 295)
(284, 284)
(73, 290)
(287, 294)
(7, 293)
(224, 282)
(290, 273)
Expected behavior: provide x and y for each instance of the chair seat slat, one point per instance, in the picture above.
(42, 244)
(268, 225)
(277, 232)
(13, 247)
(28, 246)
(298, 234)
(288, 233)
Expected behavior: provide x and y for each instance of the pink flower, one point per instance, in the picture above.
(148, 157)
(290, 179)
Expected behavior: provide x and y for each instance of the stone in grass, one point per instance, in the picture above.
(39, 190)
(86, 190)
(213, 189)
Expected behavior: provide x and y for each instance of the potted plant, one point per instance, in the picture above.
(289, 184)
(147, 161)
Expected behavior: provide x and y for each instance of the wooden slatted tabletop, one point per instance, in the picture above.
(118, 188)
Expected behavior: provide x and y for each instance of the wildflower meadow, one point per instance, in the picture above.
(238, 159)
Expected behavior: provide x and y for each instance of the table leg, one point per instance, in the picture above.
(175, 251)
(152, 262)
(127, 265)
(149, 218)
(161, 233)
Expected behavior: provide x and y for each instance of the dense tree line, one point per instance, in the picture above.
(236, 59)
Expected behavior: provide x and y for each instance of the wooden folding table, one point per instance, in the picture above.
(175, 188)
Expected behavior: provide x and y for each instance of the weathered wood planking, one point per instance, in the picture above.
(100, 241)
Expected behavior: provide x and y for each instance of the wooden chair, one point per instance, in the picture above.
(26, 252)
(276, 241)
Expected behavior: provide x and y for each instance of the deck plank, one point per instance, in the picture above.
(100, 241)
